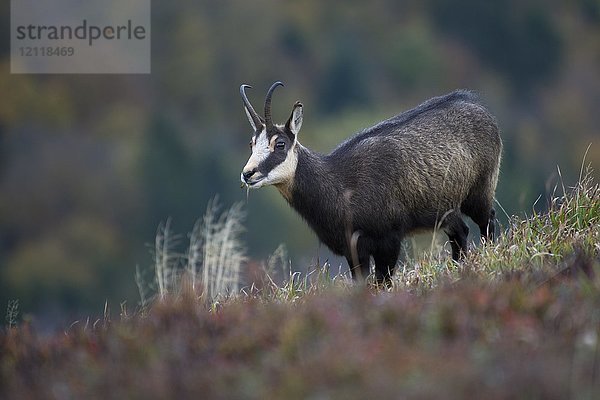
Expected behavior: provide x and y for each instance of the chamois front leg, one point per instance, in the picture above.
(385, 263)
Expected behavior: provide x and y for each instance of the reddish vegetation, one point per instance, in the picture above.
(518, 338)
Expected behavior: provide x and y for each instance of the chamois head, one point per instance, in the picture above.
(273, 160)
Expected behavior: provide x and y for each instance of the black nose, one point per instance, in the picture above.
(248, 174)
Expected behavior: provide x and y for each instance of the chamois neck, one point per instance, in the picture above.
(312, 178)
(316, 194)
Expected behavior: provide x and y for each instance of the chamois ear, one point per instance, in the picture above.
(294, 123)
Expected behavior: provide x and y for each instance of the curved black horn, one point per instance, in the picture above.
(255, 117)
(268, 118)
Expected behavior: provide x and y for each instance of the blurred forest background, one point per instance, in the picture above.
(91, 164)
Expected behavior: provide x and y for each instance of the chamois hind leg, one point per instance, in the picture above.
(457, 232)
(484, 215)
(489, 231)
(479, 206)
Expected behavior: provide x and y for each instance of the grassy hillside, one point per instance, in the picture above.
(519, 318)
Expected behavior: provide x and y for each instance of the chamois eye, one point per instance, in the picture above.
(280, 145)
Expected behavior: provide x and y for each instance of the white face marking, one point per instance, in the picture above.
(285, 171)
(272, 143)
(261, 149)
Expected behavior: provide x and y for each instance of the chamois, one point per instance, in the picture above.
(421, 169)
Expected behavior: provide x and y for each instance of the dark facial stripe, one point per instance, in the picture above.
(272, 161)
